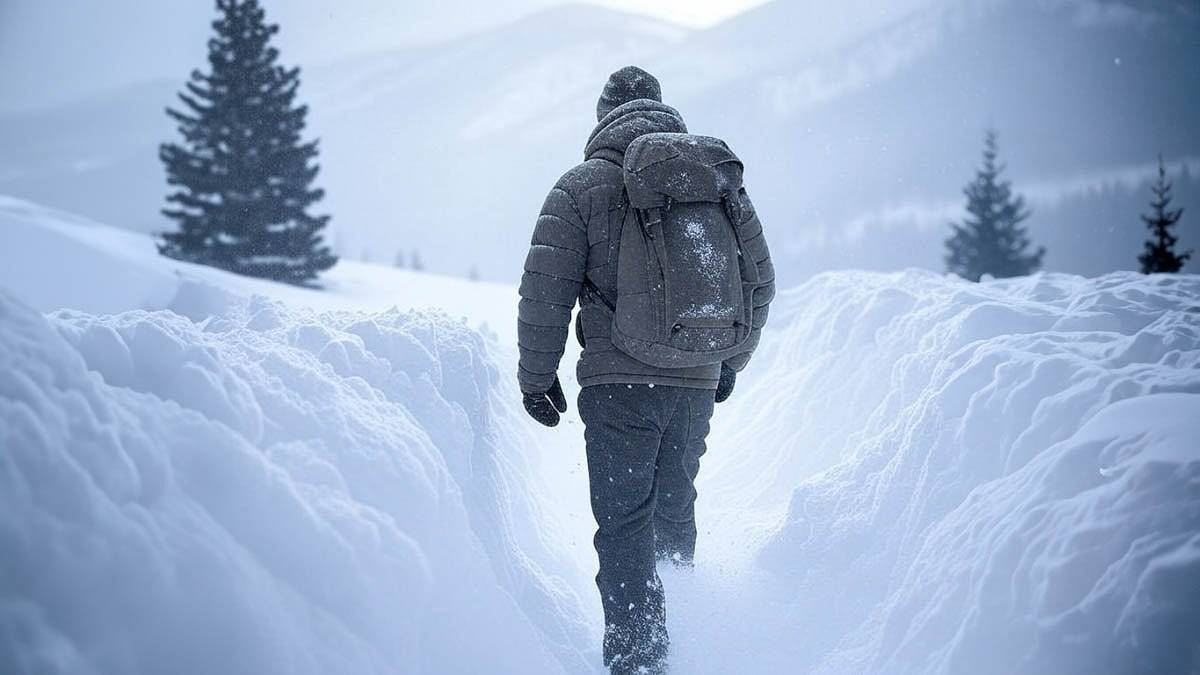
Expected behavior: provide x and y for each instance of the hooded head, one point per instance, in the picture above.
(627, 84)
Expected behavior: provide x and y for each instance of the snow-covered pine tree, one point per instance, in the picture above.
(991, 239)
(415, 261)
(243, 175)
(1160, 255)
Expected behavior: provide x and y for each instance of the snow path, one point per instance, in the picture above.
(916, 474)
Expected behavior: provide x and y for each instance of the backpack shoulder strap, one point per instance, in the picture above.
(591, 290)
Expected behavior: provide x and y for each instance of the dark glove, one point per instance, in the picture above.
(725, 384)
(546, 406)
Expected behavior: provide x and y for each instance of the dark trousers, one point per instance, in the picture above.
(643, 451)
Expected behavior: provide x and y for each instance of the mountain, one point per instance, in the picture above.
(98, 46)
(424, 148)
(452, 150)
(857, 135)
(869, 144)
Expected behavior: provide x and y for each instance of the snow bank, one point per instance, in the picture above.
(269, 490)
(995, 478)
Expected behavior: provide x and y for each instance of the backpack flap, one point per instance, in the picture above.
(665, 167)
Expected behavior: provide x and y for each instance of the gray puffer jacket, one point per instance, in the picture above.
(576, 237)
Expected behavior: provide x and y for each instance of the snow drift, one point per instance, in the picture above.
(998, 478)
(265, 491)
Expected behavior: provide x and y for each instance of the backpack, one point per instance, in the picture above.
(684, 289)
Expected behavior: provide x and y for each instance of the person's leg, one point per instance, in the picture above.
(683, 443)
(622, 433)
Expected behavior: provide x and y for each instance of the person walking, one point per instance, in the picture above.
(655, 238)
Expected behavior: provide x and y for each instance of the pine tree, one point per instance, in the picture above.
(991, 240)
(1160, 255)
(243, 175)
(399, 261)
(415, 261)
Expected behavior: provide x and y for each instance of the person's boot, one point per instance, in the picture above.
(640, 647)
(647, 655)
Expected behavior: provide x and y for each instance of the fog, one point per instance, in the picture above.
(204, 469)
(858, 124)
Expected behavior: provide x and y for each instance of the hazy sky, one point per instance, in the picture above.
(696, 13)
(55, 50)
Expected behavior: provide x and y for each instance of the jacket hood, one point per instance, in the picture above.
(626, 122)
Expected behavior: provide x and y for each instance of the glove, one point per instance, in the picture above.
(725, 384)
(546, 406)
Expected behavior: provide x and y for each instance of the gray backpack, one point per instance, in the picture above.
(684, 290)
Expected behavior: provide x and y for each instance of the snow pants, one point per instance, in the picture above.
(643, 452)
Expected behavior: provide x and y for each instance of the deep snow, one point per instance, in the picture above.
(916, 474)
(948, 477)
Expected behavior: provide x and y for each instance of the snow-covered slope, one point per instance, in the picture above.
(102, 269)
(916, 474)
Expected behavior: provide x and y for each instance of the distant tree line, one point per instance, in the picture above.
(992, 241)
(413, 262)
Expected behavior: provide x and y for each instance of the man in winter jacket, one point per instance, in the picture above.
(645, 427)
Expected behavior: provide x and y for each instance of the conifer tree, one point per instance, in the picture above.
(415, 262)
(243, 175)
(991, 240)
(1160, 255)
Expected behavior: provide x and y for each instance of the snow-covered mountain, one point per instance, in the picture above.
(857, 138)
(443, 148)
(859, 151)
(201, 472)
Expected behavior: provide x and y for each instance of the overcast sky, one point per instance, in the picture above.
(54, 50)
(696, 13)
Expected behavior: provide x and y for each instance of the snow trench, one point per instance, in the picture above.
(915, 475)
(267, 490)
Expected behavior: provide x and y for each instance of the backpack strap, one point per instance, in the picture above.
(591, 290)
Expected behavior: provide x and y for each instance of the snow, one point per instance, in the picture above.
(207, 473)
(267, 487)
(945, 477)
(111, 270)
(268, 490)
